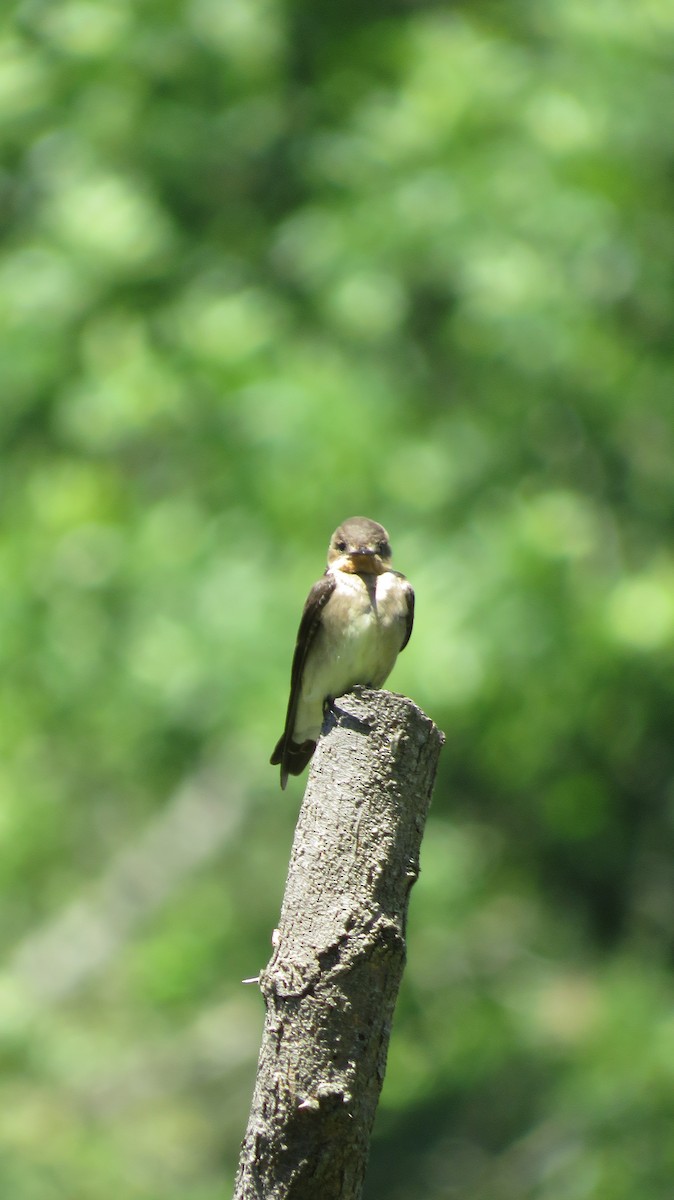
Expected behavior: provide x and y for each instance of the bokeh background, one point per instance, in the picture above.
(267, 264)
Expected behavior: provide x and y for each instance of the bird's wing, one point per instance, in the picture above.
(409, 616)
(309, 625)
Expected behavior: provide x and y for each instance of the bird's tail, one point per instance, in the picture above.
(292, 756)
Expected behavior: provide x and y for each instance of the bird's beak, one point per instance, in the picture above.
(365, 561)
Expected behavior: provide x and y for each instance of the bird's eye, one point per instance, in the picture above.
(382, 548)
(341, 546)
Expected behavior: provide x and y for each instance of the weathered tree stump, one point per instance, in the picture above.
(332, 983)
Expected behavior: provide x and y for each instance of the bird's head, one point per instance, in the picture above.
(360, 547)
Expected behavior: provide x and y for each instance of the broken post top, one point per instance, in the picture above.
(372, 738)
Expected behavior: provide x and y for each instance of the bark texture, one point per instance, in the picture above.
(332, 983)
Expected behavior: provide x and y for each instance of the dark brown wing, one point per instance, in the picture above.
(409, 593)
(284, 753)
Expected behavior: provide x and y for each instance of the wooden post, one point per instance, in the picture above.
(332, 983)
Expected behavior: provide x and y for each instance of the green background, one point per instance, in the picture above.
(267, 264)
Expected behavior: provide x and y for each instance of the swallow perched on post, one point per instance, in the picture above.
(356, 620)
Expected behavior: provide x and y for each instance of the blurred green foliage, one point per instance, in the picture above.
(266, 265)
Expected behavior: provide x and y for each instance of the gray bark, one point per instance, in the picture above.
(332, 983)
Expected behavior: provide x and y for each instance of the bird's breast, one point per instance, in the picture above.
(363, 628)
(361, 631)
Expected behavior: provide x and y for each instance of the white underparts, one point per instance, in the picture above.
(362, 628)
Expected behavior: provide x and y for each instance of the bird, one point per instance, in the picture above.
(357, 618)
